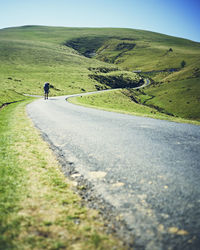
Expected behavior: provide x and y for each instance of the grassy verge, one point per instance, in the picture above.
(181, 98)
(8, 96)
(118, 101)
(38, 209)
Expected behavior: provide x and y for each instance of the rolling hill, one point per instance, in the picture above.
(85, 59)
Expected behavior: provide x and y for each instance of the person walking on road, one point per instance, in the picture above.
(46, 90)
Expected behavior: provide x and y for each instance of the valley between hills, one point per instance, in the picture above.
(40, 207)
(76, 60)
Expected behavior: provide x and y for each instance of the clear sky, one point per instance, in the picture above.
(173, 17)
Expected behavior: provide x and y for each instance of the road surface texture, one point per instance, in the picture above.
(146, 170)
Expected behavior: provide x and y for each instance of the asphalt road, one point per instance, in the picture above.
(147, 169)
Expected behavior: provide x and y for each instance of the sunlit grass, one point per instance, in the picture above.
(181, 98)
(32, 55)
(119, 101)
(38, 208)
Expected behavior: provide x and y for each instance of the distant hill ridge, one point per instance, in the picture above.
(31, 55)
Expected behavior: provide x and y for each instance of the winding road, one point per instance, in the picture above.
(147, 169)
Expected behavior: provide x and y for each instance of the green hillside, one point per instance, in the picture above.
(31, 55)
(77, 60)
(145, 51)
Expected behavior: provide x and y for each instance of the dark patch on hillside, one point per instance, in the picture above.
(103, 69)
(116, 58)
(118, 81)
(196, 72)
(86, 46)
(125, 46)
(129, 39)
(122, 48)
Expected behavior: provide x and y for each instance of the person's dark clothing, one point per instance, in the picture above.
(46, 88)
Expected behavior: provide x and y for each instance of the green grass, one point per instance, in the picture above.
(29, 56)
(117, 101)
(26, 66)
(38, 208)
(121, 101)
(32, 55)
(181, 98)
(11, 178)
(10, 96)
(150, 54)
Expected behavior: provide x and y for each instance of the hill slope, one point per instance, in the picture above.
(29, 56)
(85, 59)
(137, 50)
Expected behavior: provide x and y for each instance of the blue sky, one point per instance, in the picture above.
(173, 17)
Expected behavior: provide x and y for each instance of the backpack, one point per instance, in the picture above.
(46, 86)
